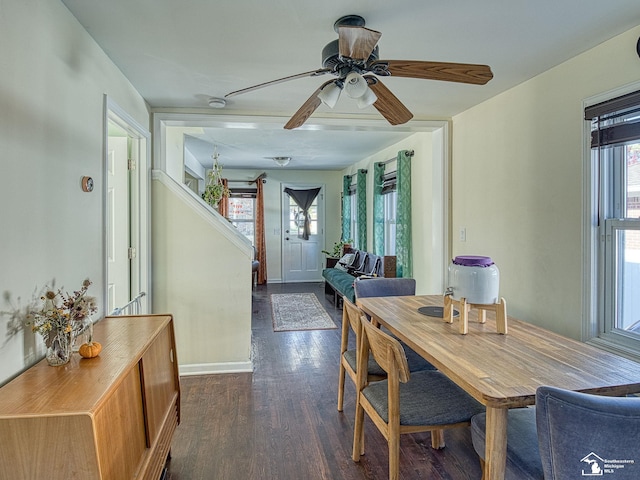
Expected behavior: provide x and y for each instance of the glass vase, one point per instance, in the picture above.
(80, 333)
(59, 349)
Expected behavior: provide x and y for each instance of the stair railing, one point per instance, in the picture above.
(131, 308)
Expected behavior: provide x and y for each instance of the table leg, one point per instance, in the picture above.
(496, 444)
(464, 316)
(501, 316)
(447, 317)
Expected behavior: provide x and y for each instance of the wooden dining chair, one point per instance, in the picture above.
(393, 287)
(405, 403)
(348, 356)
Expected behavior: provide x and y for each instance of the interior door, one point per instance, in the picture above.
(118, 235)
(302, 259)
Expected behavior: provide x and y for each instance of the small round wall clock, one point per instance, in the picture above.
(87, 184)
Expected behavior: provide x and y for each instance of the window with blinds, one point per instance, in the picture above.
(615, 153)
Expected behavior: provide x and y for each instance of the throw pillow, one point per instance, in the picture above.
(345, 261)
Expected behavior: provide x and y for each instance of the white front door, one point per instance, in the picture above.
(301, 259)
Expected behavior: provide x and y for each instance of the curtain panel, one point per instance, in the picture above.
(260, 237)
(361, 193)
(404, 247)
(223, 205)
(378, 209)
(346, 208)
(304, 199)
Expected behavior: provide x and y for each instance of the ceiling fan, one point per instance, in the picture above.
(353, 60)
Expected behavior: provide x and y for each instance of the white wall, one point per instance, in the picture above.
(518, 182)
(272, 210)
(52, 86)
(427, 200)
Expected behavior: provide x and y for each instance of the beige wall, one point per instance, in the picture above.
(202, 275)
(518, 182)
(52, 86)
(427, 199)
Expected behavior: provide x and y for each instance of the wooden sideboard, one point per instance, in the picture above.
(111, 417)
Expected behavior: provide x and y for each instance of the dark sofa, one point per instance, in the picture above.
(339, 278)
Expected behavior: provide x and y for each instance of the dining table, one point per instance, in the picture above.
(501, 371)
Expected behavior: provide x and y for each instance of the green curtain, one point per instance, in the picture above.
(404, 256)
(378, 209)
(346, 209)
(361, 192)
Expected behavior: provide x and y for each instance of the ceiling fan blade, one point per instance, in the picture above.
(448, 72)
(307, 109)
(387, 103)
(357, 42)
(313, 73)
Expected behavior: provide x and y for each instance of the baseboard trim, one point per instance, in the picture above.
(214, 368)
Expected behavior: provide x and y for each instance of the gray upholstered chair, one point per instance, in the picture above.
(384, 287)
(523, 459)
(393, 287)
(255, 266)
(587, 435)
(425, 401)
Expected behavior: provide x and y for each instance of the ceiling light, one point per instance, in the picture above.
(330, 94)
(369, 98)
(355, 85)
(282, 161)
(215, 102)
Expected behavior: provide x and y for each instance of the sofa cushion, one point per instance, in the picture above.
(341, 281)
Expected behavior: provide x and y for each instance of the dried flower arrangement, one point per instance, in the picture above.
(62, 312)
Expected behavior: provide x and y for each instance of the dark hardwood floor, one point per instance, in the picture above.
(281, 421)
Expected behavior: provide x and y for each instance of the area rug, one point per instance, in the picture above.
(298, 311)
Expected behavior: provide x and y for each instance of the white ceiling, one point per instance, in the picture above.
(178, 54)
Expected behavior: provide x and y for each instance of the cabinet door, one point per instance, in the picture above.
(119, 429)
(159, 383)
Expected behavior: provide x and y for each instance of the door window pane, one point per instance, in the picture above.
(296, 217)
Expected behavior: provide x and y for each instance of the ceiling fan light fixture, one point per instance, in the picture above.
(355, 85)
(330, 94)
(282, 161)
(369, 98)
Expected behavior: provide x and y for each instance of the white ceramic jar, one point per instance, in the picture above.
(475, 278)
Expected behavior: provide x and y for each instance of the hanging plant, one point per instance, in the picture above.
(214, 190)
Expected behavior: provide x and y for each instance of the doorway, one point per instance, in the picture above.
(126, 241)
(302, 259)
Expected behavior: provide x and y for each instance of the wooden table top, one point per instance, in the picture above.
(503, 370)
(55, 389)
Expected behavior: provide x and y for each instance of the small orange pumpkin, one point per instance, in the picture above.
(90, 350)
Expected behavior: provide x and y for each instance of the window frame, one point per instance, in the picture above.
(353, 205)
(390, 200)
(243, 193)
(600, 299)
